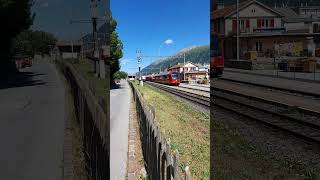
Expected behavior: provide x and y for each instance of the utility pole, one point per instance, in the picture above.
(139, 62)
(238, 32)
(95, 35)
(184, 64)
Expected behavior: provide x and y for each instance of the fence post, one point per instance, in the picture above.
(314, 72)
(187, 173)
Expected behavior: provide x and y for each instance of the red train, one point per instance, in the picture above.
(217, 55)
(169, 78)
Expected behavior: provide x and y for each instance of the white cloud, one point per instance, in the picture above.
(168, 41)
(125, 61)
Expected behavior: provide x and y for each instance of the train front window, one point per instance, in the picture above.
(174, 76)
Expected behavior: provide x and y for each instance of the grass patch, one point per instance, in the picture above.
(187, 128)
(79, 161)
(78, 158)
(100, 87)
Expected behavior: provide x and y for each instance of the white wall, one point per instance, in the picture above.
(253, 13)
(295, 26)
(315, 12)
(253, 24)
(256, 11)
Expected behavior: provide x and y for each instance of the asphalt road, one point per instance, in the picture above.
(119, 126)
(32, 114)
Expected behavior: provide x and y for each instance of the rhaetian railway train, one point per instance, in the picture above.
(217, 55)
(169, 78)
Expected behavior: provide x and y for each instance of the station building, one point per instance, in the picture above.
(69, 49)
(268, 30)
(192, 71)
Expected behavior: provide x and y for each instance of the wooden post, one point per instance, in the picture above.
(187, 173)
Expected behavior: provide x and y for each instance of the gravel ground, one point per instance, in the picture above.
(274, 143)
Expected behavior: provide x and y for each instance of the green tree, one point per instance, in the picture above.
(34, 42)
(120, 75)
(116, 47)
(15, 17)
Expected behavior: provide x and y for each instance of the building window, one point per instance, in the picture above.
(234, 26)
(258, 46)
(267, 23)
(242, 27)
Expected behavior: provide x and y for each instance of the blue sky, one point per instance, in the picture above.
(54, 16)
(143, 24)
(147, 24)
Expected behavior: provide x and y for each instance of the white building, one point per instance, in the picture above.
(309, 11)
(262, 28)
(254, 17)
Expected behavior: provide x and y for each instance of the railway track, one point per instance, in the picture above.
(270, 113)
(272, 87)
(194, 97)
(255, 109)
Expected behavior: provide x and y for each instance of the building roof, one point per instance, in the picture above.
(286, 11)
(291, 16)
(180, 65)
(230, 10)
(176, 66)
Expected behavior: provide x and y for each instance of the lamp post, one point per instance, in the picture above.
(238, 32)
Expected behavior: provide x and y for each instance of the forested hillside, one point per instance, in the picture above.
(197, 54)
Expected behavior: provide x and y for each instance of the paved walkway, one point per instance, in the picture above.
(135, 158)
(32, 116)
(308, 87)
(119, 126)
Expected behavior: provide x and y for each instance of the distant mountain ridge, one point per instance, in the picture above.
(194, 54)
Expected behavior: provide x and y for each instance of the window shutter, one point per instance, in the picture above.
(234, 26)
(259, 23)
(248, 24)
(272, 23)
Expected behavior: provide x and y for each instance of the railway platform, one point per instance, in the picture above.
(196, 87)
(305, 87)
(299, 76)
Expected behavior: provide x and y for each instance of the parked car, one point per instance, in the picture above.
(23, 61)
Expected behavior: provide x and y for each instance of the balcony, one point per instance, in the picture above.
(268, 30)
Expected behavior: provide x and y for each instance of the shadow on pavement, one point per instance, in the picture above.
(116, 86)
(21, 79)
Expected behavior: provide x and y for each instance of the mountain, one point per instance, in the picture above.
(195, 54)
(290, 3)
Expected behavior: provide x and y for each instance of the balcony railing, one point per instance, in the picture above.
(263, 30)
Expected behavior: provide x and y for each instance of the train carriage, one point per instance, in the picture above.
(217, 55)
(169, 78)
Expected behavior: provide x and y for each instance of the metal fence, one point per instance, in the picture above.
(93, 123)
(160, 161)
